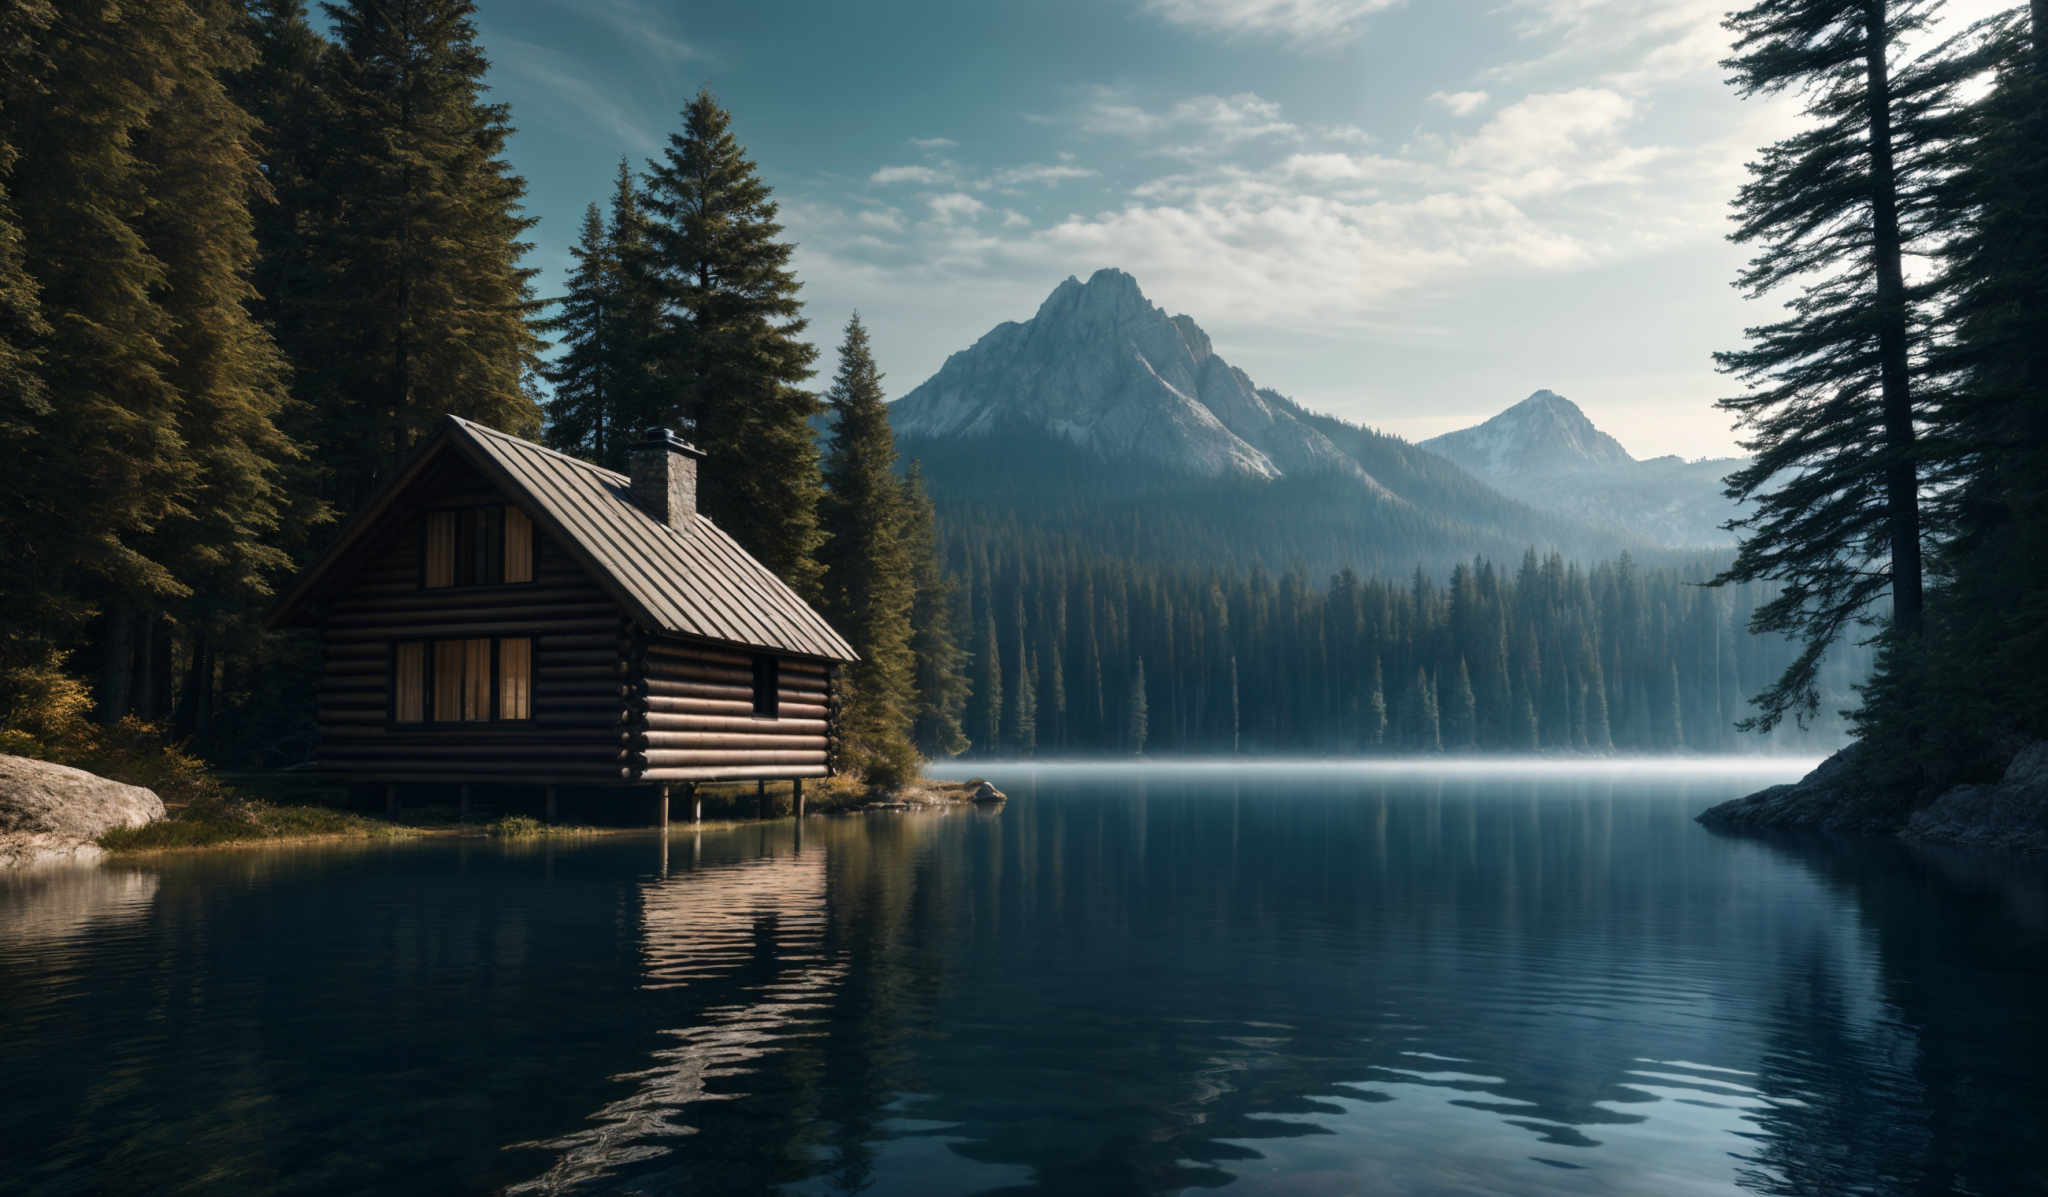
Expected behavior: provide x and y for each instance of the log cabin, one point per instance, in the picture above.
(500, 613)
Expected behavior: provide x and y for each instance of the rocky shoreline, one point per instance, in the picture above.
(1856, 792)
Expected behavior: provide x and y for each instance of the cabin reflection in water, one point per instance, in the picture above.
(767, 915)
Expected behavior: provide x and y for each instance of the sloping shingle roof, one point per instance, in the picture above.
(694, 581)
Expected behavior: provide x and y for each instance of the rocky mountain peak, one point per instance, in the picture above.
(1101, 367)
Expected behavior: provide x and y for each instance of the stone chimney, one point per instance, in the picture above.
(663, 467)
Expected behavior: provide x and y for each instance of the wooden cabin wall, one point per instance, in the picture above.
(579, 637)
(691, 716)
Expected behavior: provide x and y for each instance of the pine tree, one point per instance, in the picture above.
(223, 542)
(941, 665)
(1138, 718)
(582, 414)
(1832, 406)
(1376, 709)
(34, 615)
(104, 463)
(868, 585)
(1460, 711)
(988, 690)
(728, 350)
(425, 305)
(1027, 708)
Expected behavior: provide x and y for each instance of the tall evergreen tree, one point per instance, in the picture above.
(868, 584)
(1831, 410)
(729, 349)
(1375, 708)
(941, 684)
(582, 413)
(1138, 715)
(426, 307)
(987, 723)
(1460, 712)
(34, 614)
(106, 463)
(223, 542)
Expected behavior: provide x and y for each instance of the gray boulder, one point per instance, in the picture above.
(2011, 815)
(53, 814)
(986, 793)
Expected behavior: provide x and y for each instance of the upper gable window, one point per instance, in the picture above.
(476, 546)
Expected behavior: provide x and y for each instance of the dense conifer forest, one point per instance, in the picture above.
(249, 255)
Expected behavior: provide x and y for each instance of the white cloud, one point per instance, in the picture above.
(1460, 103)
(886, 219)
(922, 176)
(954, 206)
(934, 143)
(1555, 141)
(1218, 119)
(1047, 174)
(1305, 21)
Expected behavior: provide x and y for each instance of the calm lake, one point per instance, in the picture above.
(1271, 979)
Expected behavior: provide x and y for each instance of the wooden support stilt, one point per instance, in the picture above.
(797, 796)
(462, 802)
(661, 807)
(391, 800)
(553, 811)
(761, 799)
(696, 804)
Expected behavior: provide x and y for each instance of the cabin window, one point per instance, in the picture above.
(476, 679)
(518, 546)
(767, 684)
(476, 546)
(409, 704)
(515, 678)
(462, 680)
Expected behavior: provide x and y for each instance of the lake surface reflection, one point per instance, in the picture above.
(1278, 980)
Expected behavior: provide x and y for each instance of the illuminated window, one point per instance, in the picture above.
(439, 568)
(476, 546)
(462, 680)
(515, 678)
(518, 546)
(472, 680)
(409, 704)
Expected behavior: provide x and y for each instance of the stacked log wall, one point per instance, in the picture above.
(581, 645)
(691, 715)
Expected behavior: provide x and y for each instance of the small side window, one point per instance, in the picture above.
(767, 687)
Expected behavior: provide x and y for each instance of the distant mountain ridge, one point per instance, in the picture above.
(1109, 424)
(1102, 368)
(1545, 452)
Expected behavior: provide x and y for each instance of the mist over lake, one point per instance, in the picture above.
(1452, 977)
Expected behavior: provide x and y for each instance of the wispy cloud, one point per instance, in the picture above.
(1307, 22)
(1044, 173)
(590, 101)
(922, 176)
(1216, 119)
(642, 27)
(1460, 103)
(934, 144)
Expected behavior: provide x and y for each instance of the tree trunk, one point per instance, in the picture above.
(117, 664)
(1901, 475)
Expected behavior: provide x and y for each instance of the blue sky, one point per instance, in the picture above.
(1410, 214)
